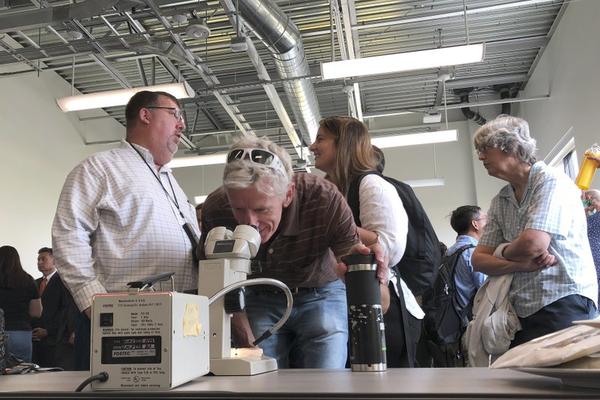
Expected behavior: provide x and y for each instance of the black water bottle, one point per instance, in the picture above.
(365, 316)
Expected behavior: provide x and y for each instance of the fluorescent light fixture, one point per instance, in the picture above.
(390, 114)
(119, 97)
(381, 142)
(413, 139)
(435, 58)
(194, 161)
(200, 199)
(425, 182)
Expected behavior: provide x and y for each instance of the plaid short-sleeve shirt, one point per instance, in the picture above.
(551, 203)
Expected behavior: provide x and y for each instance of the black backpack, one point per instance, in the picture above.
(421, 259)
(443, 324)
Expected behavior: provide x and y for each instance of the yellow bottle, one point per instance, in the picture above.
(588, 167)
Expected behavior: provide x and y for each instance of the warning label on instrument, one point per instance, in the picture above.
(131, 350)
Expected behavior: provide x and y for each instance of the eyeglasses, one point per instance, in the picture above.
(482, 150)
(177, 113)
(257, 156)
(486, 149)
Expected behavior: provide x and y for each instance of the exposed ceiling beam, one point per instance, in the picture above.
(485, 81)
(351, 40)
(211, 118)
(470, 11)
(263, 75)
(391, 113)
(53, 15)
(538, 56)
(39, 3)
(195, 62)
(112, 71)
(9, 45)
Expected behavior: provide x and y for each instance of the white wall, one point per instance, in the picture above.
(198, 181)
(453, 163)
(568, 70)
(39, 145)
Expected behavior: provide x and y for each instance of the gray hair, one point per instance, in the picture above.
(593, 193)
(242, 173)
(509, 134)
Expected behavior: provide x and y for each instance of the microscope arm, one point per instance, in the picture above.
(261, 281)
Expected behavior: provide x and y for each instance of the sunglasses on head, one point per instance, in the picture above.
(257, 156)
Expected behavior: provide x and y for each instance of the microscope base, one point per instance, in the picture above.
(242, 366)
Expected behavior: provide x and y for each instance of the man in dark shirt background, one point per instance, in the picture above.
(53, 332)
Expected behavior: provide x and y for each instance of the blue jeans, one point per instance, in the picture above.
(19, 344)
(316, 333)
(554, 317)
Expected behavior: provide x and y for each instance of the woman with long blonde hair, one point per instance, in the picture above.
(343, 150)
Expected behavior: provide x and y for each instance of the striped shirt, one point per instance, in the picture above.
(315, 228)
(551, 203)
(115, 224)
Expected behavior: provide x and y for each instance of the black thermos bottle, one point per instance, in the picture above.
(365, 316)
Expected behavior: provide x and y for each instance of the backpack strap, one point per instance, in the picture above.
(353, 198)
(408, 343)
(464, 318)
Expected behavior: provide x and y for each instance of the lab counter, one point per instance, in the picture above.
(422, 383)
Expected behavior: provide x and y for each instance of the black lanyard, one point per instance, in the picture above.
(186, 225)
(171, 199)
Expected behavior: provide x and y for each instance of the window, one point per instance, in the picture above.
(564, 156)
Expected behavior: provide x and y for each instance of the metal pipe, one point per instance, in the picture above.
(277, 31)
(459, 105)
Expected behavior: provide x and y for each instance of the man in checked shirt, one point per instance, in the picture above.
(122, 216)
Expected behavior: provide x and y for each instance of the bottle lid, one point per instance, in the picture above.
(594, 150)
(352, 259)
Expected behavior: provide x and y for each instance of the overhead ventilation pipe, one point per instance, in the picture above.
(507, 92)
(279, 33)
(468, 113)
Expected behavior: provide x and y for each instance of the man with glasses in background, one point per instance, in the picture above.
(304, 225)
(122, 216)
(468, 222)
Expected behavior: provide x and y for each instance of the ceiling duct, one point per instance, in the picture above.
(467, 112)
(507, 92)
(279, 33)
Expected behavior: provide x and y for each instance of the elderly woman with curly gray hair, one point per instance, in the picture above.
(537, 231)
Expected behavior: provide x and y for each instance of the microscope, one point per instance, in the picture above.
(226, 268)
(143, 339)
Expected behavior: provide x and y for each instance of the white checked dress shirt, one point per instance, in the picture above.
(115, 224)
